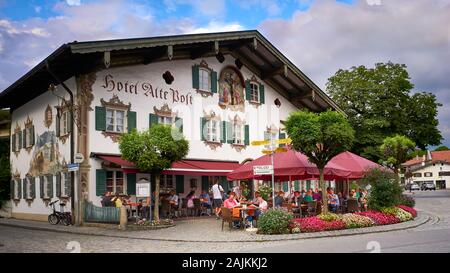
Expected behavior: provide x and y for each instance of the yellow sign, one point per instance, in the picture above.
(267, 142)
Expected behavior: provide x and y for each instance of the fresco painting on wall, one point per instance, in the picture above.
(231, 89)
(46, 155)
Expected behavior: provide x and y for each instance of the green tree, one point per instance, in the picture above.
(395, 151)
(384, 191)
(378, 104)
(153, 151)
(441, 148)
(320, 136)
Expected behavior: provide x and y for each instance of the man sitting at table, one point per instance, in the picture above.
(205, 200)
(279, 199)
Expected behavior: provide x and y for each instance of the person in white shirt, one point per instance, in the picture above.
(217, 191)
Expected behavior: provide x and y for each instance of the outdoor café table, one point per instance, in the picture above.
(244, 213)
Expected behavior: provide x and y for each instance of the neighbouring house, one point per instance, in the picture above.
(432, 167)
(221, 90)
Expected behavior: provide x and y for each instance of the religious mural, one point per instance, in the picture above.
(231, 89)
(46, 155)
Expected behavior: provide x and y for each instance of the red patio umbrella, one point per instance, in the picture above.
(356, 164)
(290, 165)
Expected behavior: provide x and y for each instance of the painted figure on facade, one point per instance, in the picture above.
(231, 89)
(46, 155)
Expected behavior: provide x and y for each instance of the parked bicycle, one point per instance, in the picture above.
(57, 217)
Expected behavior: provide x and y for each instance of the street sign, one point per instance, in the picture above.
(73, 167)
(267, 142)
(262, 169)
(79, 158)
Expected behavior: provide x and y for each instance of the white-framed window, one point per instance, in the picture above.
(165, 120)
(254, 92)
(64, 124)
(114, 182)
(238, 133)
(17, 142)
(115, 120)
(213, 130)
(166, 181)
(204, 79)
(28, 188)
(16, 189)
(417, 174)
(428, 174)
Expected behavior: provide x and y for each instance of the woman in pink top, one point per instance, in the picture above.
(231, 202)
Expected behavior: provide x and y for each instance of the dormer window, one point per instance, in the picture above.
(254, 92)
(204, 80)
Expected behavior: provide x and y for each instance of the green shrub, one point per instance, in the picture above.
(265, 191)
(328, 216)
(274, 221)
(408, 201)
(385, 191)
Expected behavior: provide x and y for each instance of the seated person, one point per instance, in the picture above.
(279, 199)
(263, 206)
(205, 199)
(230, 203)
(256, 199)
(173, 200)
(333, 201)
(308, 196)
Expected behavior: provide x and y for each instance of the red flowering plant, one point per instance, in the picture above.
(408, 209)
(315, 224)
(380, 218)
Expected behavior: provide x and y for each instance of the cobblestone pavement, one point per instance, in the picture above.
(433, 236)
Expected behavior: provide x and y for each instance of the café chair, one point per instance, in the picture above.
(312, 208)
(352, 205)
(227, 217)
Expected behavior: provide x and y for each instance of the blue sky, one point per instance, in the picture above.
(319, 36)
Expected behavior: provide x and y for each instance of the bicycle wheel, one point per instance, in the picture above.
(66, 219)
(53, 219)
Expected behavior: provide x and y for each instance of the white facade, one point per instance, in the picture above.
(438, 173)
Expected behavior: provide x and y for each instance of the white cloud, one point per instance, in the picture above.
(73, 2)
(37, 9)
(331, 35)
(214, 26)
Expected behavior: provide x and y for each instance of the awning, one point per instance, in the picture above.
(192, 167)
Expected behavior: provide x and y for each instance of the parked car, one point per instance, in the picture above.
(412, 187)
(428, 186)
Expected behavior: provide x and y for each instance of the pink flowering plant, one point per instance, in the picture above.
(408, 209)
(380, 218)
(315, 224)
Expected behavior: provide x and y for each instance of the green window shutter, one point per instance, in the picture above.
(131, 183)
(153, 119)
(282, 136)
(13, 142)
(58, 184)
(24, 186)
(225, 183)
(50, 186)
(203, 122)
(24, 142)
(41, 186)
(229, 131)
(70, 122)
(308, 185)
(100, 175)
(33, 187)
(261, 94)
(131, 120)
(179, 123)
(20, 141)
(247, 134)
(33, 141)
(247, 90)
(100, 118)
(19, 185)
(296, 185)
(285, 186)
(223, 131)
(205, 183)
(58, 122)
(195, 77)
(11, 189)
(179, 180)
(214, 82)
(67, 184)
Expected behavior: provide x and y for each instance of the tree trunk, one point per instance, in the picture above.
(156, 201)
(397, 178)
(324, 191)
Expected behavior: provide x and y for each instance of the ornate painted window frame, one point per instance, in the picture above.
(61, 109)
(236, 120)
(18, 180)
(204, 66)
(116, 104)
(28, 124)
(17, 130)
(254, 80)
(213, 116)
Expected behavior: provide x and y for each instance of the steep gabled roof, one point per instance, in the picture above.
(436, 156)
(250, 47)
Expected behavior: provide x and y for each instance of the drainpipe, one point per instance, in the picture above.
(72, 142)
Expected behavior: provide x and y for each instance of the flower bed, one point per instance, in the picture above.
(380, 218)
(315, 224)
(401, 214)
(356, 221)
(408, 209)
